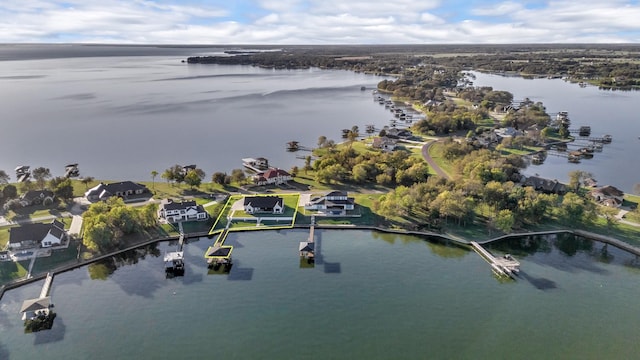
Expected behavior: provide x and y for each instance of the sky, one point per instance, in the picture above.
(319, 21)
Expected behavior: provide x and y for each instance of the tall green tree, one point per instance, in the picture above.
(153, 179)
(4, 177)
(41, 175)
(192, 179)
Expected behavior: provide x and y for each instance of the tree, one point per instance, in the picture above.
(86, 181)
(504, 221)
(307, 164)
(322, 141)
(41, 175)
(577, 178)
(610, 215)
(294, 171)
(9, 192)
(219, 178)
(61, 187)
(168, 176)
(238, 176)
(352, 136)
(192, 179)
(4, 177)
(153, 179)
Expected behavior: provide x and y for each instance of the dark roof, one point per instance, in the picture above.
(35, 232)
(36, 194)
(263, 202)
(611, 191)
(336, 193)
(306, 246)
(538, 183)
(172, 205)
(123, 187)
(28, 232)
(219, 251)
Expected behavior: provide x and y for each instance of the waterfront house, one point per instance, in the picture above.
(545, 185)
(127, 190)
(37, 197)
(608, 196)
(172, 211)
(384, 143)
(272, 176)
(335, 203)
(395, 133)
(263, 204)
(31, 235)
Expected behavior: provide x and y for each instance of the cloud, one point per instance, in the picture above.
(319, 22)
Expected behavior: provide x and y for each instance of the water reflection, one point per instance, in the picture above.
(55, 334)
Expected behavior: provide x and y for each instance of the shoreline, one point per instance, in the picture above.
(422, 234)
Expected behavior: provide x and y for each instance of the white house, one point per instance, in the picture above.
(181, 211)
(273, 176)
(31, 235)
(335, 203)
(263, 204)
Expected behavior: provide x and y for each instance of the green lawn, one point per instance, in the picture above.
(435, 151)
(58, 258)
(10, 270)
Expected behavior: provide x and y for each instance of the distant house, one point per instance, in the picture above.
(335, 203)
(272, 176)
(608, 196)
(36, 197)
(545, 185)
(395, 133)
(507, 132)
(127, 190)
(263, 204)
(32, 235)
(384, 143)
(181, 211)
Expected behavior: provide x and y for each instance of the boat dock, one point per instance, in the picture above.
(506, 265)
(47, 286)
(307, 248)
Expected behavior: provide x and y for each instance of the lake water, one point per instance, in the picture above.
(606, 111)
(120, 117)
(369, 296)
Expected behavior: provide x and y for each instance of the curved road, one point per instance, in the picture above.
(431, 162)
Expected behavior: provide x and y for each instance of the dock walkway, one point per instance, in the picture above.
(46, 287)
(503, 266)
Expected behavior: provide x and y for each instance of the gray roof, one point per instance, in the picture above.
(35, 304)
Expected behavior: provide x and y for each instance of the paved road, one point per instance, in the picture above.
(431, 162)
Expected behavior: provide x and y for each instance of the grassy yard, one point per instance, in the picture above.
(10, 270)
(435, 151)
(58, 257)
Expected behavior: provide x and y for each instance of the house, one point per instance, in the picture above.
(608, 196)
(335, 203)
(263, 204)
(37, 197)
(384, 143)
(545, 185)
(127, 190)
(32, 235)
(395, 133)
(272, 176)
(181, 211)
(507, 132)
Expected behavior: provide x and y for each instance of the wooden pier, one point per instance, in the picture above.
(507, 265)
(46, 287)
(307, 248)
